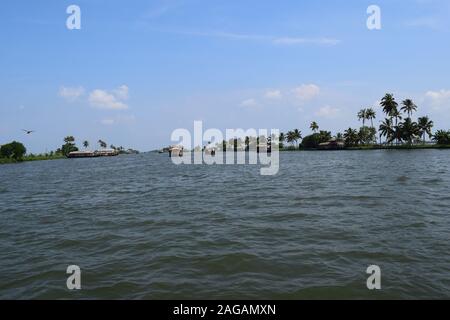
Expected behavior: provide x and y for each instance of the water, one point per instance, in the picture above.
(141, 228)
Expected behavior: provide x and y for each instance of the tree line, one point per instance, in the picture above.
(397, 128)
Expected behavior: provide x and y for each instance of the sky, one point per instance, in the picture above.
(137, 70)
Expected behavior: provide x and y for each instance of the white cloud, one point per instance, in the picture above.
(104, 100)
(438, 98)
(122, 92)
(249, 103)
(273, 94)
(306, 92)
(268, 39)
(327, 112)
(71, 93)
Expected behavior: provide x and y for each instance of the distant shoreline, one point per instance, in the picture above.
(374, 147)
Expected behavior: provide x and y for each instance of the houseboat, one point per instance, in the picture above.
(94, 154)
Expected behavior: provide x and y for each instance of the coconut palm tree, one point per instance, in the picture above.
(409, 107)
(102, 144)
(388, 104)
(362, 115)
(314, 126)
(387, 130)
(409, 130)
(293, 136)
(371, 115)
(85, 144)
(281, 139)
(425, 125)
(351, 137)
(442, 137)
(290, 137)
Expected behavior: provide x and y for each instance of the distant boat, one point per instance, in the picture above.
(95, 154)
(176, 151)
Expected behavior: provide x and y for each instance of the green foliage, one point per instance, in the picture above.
(367, 135)
(442, 137)
(14, 150)
(313, 141)
(69, 146)
(292, 137)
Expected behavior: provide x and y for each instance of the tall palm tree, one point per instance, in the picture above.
(362, 115)
(371, 115)
(314, 126)
(409, 107)
(389, 104)
(85, 144)
(387, 130)
(425, 125)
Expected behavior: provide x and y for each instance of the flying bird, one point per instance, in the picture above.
(28, 131)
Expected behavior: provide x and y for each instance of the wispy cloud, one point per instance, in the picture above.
(306, 92)
(268, 39)
(327, 112)
(273, 94)
(71, 93)
(109, 100)
(249, 103)
(438, 99)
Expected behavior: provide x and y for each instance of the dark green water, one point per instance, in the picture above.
(141, 227)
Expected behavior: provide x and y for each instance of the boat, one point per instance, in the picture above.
(93, 154)
(176, 151)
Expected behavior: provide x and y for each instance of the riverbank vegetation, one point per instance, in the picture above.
(15, 152)
(398, 130)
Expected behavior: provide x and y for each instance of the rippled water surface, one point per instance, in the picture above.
(141, 227)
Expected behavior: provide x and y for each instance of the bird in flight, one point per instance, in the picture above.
(28, 131)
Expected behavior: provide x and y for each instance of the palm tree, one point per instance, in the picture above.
(314, 126)
(425, 125)
(290, 137)
(339, 136)
(85, 144)
(281, 139)
(371, 115)
(389, 104)
(409, 130)
(387, 130)
(362, 115)
(69, 139)
(409, 107)
(102, 144)
(351, 137)
(442, 137)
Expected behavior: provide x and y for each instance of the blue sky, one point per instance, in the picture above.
(137, 70)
